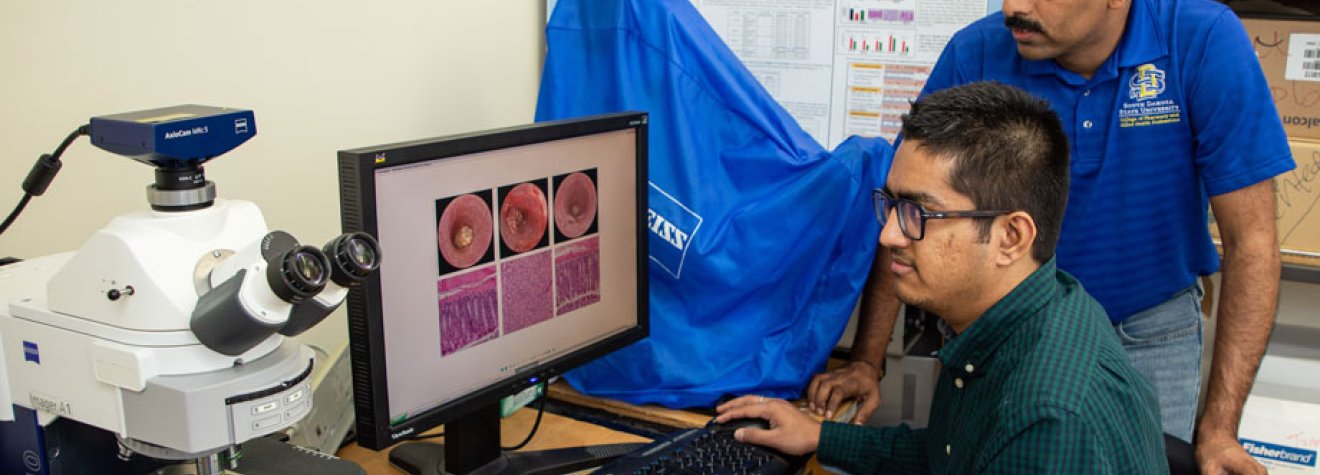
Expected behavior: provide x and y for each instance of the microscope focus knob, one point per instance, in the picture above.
(115, 294)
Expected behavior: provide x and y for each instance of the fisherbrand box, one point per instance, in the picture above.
(1281, 421)
(1281, 434)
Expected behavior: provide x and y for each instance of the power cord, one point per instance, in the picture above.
(540, 410)
(39, 178)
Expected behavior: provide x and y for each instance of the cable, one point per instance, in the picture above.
(42, 173)
(540, 409)
(22, 203)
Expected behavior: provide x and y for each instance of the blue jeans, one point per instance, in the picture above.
(1164, 344)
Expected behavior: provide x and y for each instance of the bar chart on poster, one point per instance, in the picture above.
(842, 67)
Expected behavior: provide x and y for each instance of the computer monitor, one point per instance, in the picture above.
(508, 257)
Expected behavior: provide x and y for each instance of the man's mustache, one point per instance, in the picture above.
(896, 256)
(1022, 23)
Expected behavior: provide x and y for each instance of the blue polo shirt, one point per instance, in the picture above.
(1178, 113)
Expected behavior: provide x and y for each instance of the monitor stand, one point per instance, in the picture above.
(472, 447)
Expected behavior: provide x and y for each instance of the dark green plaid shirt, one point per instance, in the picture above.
(1038, 385)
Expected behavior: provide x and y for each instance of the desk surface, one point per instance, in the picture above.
(675, 418)
(555, 432)
(558, 431)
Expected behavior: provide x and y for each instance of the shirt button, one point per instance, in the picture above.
(1086, 124)
(969, 367)
(957, 382)
(1087, 93)
(948, 450)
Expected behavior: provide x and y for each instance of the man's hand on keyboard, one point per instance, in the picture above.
(791, 431)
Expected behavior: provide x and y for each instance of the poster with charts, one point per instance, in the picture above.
(842, 67)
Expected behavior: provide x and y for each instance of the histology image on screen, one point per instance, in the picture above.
(523, 216)
(464, 231)
(526, 292)
(469, 313)
(499, 270)
(577, 274)
(575, 205)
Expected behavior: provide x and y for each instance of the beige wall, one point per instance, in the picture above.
(321, 76)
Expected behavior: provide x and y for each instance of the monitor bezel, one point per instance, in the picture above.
(357, 169)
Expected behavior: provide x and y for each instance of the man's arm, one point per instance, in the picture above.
(879, 311)
(1247, 303)
(860, 377)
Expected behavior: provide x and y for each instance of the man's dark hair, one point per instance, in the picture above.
(1008, 150)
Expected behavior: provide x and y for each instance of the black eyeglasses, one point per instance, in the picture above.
(912, 216)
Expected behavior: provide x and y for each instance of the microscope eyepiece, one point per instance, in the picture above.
(362, 254)
(298, 274)
(258, 291)
(353, 257)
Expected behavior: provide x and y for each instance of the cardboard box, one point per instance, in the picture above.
(1281, 420)
(1297, 193)
(1298, 205)
(1289, 52)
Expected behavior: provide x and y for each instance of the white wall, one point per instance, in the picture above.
(321, 76)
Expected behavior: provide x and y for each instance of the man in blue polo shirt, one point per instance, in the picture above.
(1167, 112)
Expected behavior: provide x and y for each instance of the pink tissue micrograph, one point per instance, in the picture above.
(525, 289)
(468, 309)
(464, 231)
(577, 275)
(523, 217)
(575, 204)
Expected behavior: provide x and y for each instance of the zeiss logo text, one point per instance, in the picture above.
(672, 226)
(30, 352)
(666, 230)
(1281, 453)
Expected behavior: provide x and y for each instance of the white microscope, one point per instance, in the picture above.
(167, 328)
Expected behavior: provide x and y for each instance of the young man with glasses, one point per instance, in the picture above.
(1034, 381)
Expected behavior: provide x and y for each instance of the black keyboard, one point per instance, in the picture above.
(704, 451)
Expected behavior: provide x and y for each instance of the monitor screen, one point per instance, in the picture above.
(508, 256)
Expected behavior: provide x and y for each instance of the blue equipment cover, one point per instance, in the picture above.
(760, 238)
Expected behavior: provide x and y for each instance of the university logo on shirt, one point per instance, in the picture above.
(1145, 107)
(1146, 83)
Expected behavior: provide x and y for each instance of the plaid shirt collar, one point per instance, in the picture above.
(976, 346)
